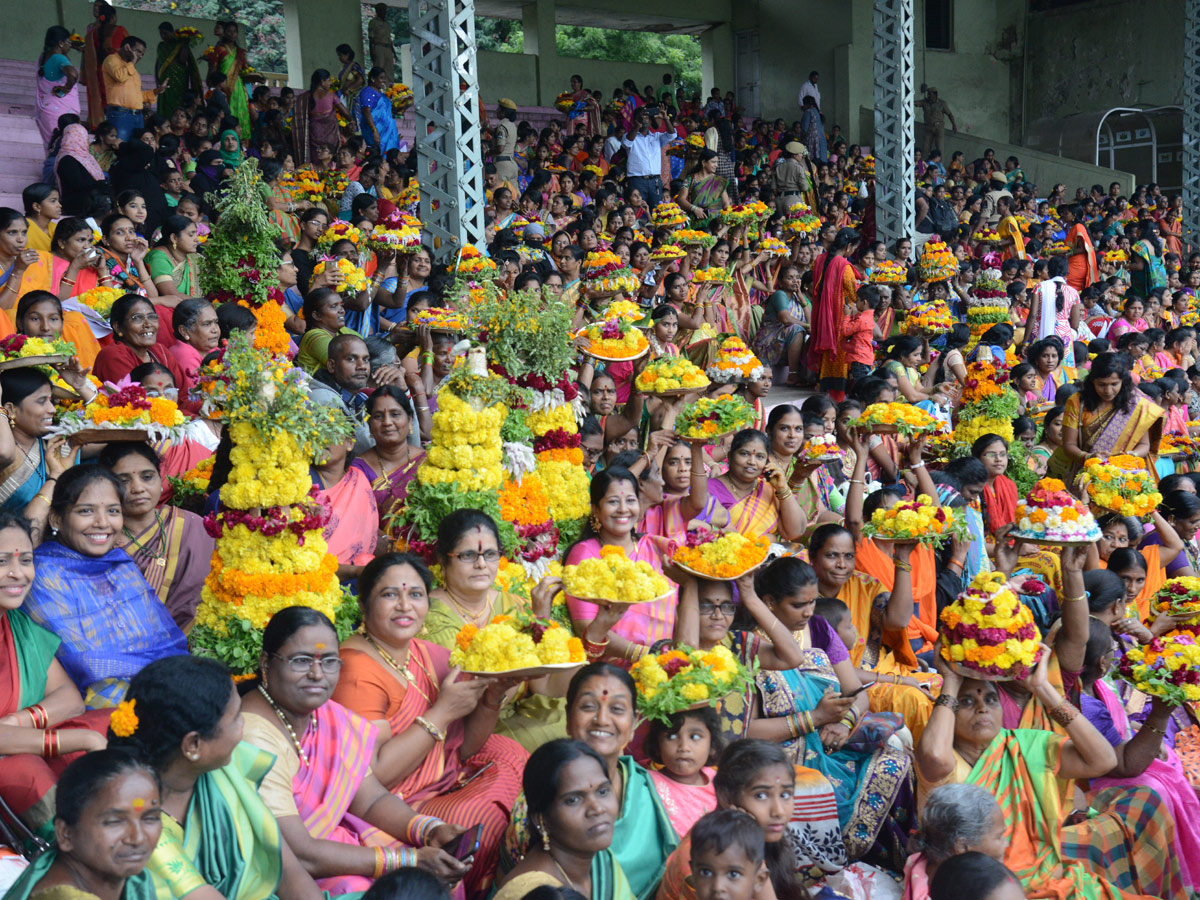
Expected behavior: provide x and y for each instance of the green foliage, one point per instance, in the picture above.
(428, 504)
(489, 391)
(260, 21)
(1018, 468)
(526, 333)
(241, 257)
(569, 532)
(514, 430)
(679, 51)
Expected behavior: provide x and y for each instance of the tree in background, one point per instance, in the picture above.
(260, 22)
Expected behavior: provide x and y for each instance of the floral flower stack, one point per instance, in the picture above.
(988, 633)
(241, 257)
(735, 362)
(271, 552)
(929, 318)
(511, 643)
(604, 272)
(1122, 485)
(989, 404)
(1051, 515)
(936, 262)
(684, 678)
(987, 302)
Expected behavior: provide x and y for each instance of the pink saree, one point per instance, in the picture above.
(643, 623)
(354, 525)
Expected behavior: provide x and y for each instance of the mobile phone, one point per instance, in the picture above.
(858, 690)
(467, 844)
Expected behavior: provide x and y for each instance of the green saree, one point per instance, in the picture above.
(642, 837)
(138, 887)
(229, 839)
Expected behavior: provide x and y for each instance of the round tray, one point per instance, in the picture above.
(107, 436)
(528, 671)
(674, 392)
(618, 602)
(819, 460)
(636, 356)
(965, 672)
(1045, 542)
(704, 577)
(21, 362)
(708, 438)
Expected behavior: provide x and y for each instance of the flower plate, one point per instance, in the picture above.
(607, 602)
(705, 577)
(107, 436)
(967, 672)
(708, 438)
(1046, 542)
(637, 355)
(21, 362)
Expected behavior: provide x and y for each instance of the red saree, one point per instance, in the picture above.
(999, 503)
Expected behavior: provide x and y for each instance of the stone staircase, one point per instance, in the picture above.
(21, 154)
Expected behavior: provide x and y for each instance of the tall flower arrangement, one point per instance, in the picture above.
(989, 404)
(270, 551)
(241, 258)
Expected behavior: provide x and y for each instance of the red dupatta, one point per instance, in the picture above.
(10, 675)
(1000, 503)
(827, 312)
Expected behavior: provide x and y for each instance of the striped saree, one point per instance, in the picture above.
(228, 840)
(1122, 851)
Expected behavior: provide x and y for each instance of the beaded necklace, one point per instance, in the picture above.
(288, 725)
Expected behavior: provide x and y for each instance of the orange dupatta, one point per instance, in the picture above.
(872, 561)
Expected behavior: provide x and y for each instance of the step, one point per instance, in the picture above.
(16, 154)
(19, 127)
(12, 201)
(14, 184)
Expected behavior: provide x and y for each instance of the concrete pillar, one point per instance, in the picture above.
(314, 28)
(716, 60)
(538, 23)
(1191, 121)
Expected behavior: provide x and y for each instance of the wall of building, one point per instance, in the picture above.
(516, 75)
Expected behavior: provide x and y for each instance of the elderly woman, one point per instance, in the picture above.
(197, 334)
(1030, 770)
(555, 775)
(439, 752)
(37, 697)
(92, 596)
(135, 323)
(109, 800)
(957, 818)
(468, 549)
(333, 810)
(601, 712)
(170, 546)
(1109, 416)
(218, 836)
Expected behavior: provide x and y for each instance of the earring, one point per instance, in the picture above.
(595, 524)
(193, 756)
(545, 836)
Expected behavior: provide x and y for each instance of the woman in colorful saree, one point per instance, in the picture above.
(1082, 255)
(170, 546)
(793, 807)
(315, 118)
(686, 499)
(468, 550)
(956, 818)
(333, 812)
(1146, 268)
(1144, 758)
(230, 60)
(1046, 357)
(29, 460)
(439, 752)
(38, 702)
(615, 513)
(703, 194)
(352, 532)
(1130, 319)
(1109, 416)
(175, 66)
(375, 108)
(107, 823)
(601, 712)
(835, 285)
(780, 335)
(104, 36)
(573, 807)
(174, 263)
(392, 462)
(755, 492)
(1120, 851)
(797, 708)
(184, 718)
(92, 596)
(998, 502)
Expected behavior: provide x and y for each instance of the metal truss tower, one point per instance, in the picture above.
(894, 114)
(446, 99)
(1191, 121)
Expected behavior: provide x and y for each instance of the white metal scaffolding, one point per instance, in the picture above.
(1191, 121)
(446, 100)
(894, 114)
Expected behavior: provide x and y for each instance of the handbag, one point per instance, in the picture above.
(15, 833)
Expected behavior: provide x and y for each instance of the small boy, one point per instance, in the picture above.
(728, 857)
(858, 329)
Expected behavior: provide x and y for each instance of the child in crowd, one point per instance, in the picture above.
(684, 750)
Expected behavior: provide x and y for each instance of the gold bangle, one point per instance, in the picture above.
(1073, 599)
(40, 496)
(439, 736)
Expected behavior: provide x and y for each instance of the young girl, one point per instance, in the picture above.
(1024, 382)
(758, 778)
(1051, 438)
(1025, 431)
(684, 751)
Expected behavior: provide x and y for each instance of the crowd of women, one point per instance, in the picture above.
(855, 760)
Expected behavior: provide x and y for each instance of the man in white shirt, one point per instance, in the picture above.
(810, 89)
(643, 151)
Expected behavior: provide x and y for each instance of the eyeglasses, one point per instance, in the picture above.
(143, 319)
(470, 557)
(303, 664)
(728, 608)
(996, 455)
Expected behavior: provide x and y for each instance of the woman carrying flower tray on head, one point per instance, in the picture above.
(755, 492)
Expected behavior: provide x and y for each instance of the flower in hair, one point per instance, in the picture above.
(124, 722)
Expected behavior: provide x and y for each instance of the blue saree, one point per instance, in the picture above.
(381, 114)
(110, 621)
(24, 478)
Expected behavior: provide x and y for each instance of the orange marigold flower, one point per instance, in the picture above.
(465, 635)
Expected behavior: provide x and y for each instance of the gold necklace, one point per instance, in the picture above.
(288, 725)
(402, 670)
(466, 615)
(563, 873)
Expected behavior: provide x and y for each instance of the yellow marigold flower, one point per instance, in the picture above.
(124, 721)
